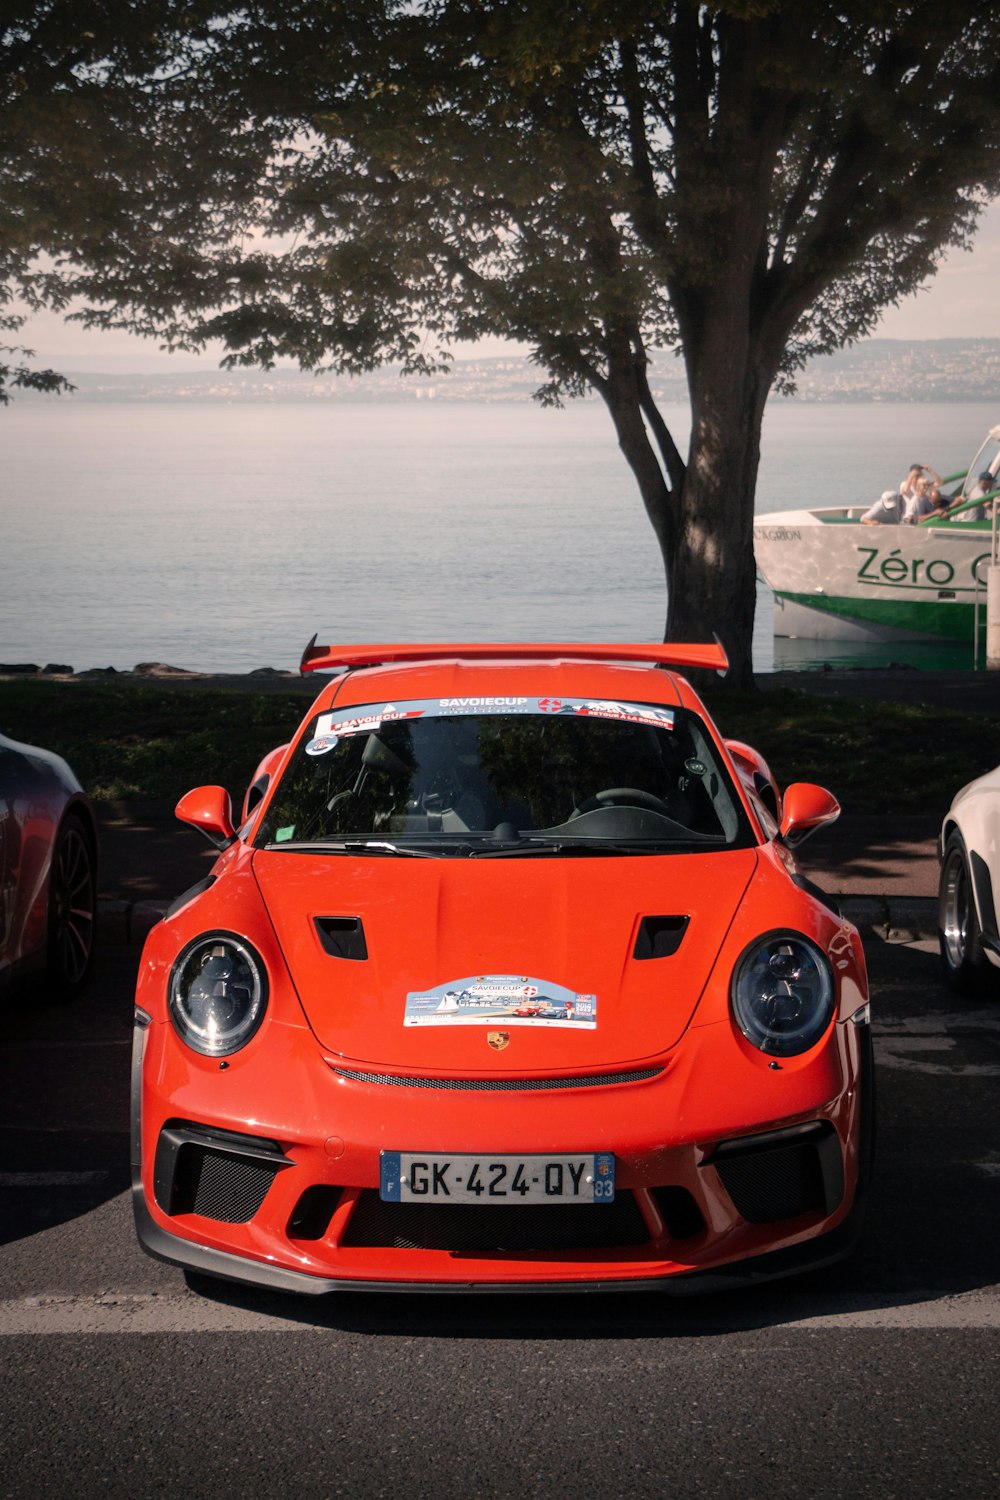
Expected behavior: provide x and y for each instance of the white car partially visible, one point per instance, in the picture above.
(969, 888)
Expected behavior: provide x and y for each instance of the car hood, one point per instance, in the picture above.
(417, 963)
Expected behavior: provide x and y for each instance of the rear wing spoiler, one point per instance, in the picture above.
(667, 654)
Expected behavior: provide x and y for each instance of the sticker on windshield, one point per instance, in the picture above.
(321, 744)
(514, 999)
(364, 720)
(630, 713)
(368, 718)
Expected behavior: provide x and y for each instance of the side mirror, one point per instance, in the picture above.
(209, 809)
(806, 808)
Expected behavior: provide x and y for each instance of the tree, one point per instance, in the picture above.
(746, 185)
(21, 376)
(78, 119)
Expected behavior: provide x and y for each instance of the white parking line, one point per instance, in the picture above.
(135, 1313)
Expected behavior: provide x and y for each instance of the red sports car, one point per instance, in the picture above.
(507, 980)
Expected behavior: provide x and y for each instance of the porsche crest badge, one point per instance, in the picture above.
(498, 1040)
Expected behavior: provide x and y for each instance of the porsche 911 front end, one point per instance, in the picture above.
(506, 984)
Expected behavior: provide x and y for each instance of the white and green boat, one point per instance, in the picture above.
(834, 578)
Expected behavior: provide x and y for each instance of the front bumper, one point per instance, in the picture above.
(728, 1173)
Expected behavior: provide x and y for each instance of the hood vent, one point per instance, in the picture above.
(342, 937)
(660, 937)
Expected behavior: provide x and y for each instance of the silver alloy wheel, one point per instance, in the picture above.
(963, 951)
(954, 909)
(72, 907)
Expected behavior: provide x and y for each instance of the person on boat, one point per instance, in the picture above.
(984, 485)
(908, 488)
(925, 501)
(887, 510)
(909, 485)
(940, 505)
(920, 505)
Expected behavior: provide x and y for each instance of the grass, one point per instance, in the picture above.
(138, 741)
(875, 756)
(130, 741)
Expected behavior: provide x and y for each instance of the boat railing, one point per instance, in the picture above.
(957, 510)
(837, 515)
(980, 584)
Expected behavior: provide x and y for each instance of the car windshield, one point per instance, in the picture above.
(501, 776)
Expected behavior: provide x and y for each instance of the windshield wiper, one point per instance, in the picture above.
(350, 846)
(538, 844)
(528, 845)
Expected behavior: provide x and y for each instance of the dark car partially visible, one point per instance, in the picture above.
(48, 870)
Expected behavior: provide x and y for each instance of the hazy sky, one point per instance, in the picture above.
(961, 301)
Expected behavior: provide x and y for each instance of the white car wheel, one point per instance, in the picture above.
(961, 940)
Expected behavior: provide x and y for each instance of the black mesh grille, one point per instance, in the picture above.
(495, 1227)
(774, 1184)
(500, 1085)
(219, 1185)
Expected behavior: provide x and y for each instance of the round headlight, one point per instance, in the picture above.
(783, 994)
(218, 993)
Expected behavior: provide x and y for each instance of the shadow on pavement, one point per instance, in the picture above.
(64, 1072)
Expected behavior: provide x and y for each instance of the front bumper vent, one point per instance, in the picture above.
(218, 1174)
(495, 1228)
(782, 1174)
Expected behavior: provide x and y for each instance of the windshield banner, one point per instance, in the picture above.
(368, 717)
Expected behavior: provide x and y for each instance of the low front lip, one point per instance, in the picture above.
(803, 1255)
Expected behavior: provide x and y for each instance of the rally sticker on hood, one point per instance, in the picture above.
(514, 999)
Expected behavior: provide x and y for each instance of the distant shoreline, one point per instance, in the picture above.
(890, 371)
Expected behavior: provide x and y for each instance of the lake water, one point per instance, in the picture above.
(221, 537)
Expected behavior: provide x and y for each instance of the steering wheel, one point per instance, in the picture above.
(614, 796)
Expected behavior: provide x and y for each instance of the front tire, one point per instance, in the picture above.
(960, 937)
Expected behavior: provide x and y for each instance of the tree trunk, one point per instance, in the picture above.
(712, 577)
(622, 393)
(704, 524)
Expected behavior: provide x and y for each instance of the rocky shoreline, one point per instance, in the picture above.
(161, 674)
(142, 669)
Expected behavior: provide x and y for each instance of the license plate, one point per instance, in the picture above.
(415, 1177)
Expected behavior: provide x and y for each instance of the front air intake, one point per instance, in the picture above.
(782, 1174)
(493, 1229)
(218, 1174)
